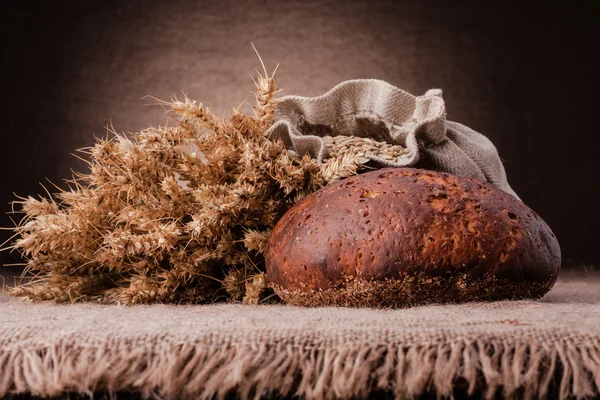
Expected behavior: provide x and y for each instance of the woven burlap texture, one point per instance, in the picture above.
(529, 348)
(375, 109)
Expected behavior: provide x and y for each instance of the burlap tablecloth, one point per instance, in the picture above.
(524, 348)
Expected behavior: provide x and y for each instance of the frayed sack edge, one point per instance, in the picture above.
(160, 368)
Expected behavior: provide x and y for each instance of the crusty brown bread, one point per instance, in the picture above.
(402, 236)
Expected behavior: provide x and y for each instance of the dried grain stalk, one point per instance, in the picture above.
(175, 214)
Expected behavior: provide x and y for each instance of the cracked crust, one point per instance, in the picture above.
(413, 290)
(403, 236)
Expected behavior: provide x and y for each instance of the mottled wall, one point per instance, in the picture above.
(520, 75)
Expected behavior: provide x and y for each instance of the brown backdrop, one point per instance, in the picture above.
(524, 76)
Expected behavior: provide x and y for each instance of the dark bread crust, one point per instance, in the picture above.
(403, 236)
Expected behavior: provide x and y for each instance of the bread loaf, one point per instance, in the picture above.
(401, 236)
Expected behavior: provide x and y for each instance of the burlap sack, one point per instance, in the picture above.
(377, 110)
